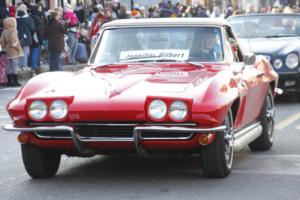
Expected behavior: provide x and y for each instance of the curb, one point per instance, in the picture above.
(28, 74)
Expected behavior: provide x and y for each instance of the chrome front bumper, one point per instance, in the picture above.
(137, 131)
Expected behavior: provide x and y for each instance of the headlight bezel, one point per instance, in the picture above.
(280, 61)
(186, 112)
(296, 63)
(164, 107)
(65, 114)
(42, 103)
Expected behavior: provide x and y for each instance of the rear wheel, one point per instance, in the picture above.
(217, 157)
(266, 139)
(40, 162)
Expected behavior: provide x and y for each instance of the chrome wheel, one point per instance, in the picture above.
(270, 116)
(228, 141)
(266, 139)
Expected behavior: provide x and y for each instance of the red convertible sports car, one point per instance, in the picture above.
(152, 86)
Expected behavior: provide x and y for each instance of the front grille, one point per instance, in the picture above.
(104, 131)
(47, 134)
(108, 131)
(166, 135)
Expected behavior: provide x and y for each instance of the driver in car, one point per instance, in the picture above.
(206, 47)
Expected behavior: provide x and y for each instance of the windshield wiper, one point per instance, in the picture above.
(140, 59)
(154, 58)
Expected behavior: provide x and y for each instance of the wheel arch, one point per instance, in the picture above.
(235, 109)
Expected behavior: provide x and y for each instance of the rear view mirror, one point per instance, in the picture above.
(249, 59)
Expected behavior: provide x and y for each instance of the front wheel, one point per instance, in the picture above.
(217, 158)
(266, 139)
(40, 162)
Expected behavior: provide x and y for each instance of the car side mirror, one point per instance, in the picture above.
(249, 59)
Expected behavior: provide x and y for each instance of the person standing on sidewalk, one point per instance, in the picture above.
(54, 32)
(71, 23)
(10, 43)
(26, 28)
(37, 39)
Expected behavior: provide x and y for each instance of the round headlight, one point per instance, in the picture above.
(58, 109)
(178, 110)
(277, 63)
(292, 61)
(157, 109)
(37, 110)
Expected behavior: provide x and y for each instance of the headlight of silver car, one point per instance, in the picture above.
(178, 110)
(157, 109)
(58, 109)
(37, 110)
(292, 60)
(277, 63)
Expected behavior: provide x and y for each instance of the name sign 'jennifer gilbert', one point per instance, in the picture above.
(163, 54)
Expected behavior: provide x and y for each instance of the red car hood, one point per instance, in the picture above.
(133, 80)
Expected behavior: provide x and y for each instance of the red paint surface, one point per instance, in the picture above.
(122, 92)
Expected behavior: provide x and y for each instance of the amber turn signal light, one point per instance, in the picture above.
(205, 139)
(23, 138)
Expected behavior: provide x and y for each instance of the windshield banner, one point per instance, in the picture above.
(163, 54)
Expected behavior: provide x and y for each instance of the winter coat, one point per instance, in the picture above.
(9, 39)
(39, 34)
(55, 34)
(26, 28)
(3, 10)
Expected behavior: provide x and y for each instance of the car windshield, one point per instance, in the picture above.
(165, 44)
(264, 26)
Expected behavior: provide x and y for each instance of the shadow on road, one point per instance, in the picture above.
(286, 99)
(133, 168)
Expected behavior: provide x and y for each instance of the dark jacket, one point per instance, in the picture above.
(3, 12)
(39, 34)
(26, 28)
(55, 34)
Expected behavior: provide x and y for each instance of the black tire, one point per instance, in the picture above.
(217, 158)
(40, 162)
(265, 140)
(298, 96)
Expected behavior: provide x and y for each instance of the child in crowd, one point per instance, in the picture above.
(10, 44)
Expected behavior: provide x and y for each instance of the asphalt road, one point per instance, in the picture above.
(268, 175)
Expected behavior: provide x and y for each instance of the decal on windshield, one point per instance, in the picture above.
(163, 54)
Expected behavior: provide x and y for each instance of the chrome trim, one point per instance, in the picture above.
(167, 138)
(179, 129)
(112, 124)
(51, 137)
(78, 144)
(287, 73)
(246, 135)
(12, 127)
(104, 139)
(137, 131)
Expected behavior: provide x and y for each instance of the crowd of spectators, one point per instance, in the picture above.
(66, 35)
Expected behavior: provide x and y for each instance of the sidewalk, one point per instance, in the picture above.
(28, 74)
